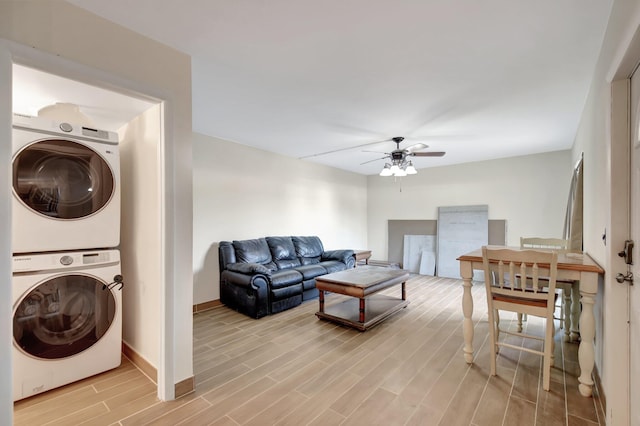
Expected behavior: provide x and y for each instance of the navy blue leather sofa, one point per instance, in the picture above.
(268, 275)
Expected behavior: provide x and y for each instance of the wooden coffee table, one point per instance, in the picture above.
(366, 308)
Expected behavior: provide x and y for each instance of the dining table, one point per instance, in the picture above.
(577, 267)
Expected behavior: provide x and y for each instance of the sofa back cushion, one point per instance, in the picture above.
(308, 249)
(226, 254)
(254, 251)
(283, 252)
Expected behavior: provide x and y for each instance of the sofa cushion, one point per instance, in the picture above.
(279, 304)
(311, 271)
(283, 252)
(333, 266)
(287, 292)
(249, 268)
(308, 249)
(285, 278)
(254, 251)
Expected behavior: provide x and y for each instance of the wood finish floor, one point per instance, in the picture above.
(293, 369)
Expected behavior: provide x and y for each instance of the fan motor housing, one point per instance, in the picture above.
(397, 155)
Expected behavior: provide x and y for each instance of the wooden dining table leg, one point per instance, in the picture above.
(586, 355)
(574, 335)
(586, 350)
(568, 315)
(466, 272)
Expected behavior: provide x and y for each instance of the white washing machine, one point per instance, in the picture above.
(67, 318)
(66, 186)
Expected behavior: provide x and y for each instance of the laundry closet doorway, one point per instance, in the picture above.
(143, 221)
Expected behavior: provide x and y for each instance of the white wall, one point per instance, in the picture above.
(65, 40)
(602, 187)
(241, 193)
(530, 192)
(6, 294)
(140, 230)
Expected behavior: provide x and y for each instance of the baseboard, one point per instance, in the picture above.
(142, 364)
(206, 305)
(602, 409)
(185, 386)
(181, 388)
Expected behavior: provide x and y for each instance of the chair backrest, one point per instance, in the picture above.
(504, 272)
(548, 243)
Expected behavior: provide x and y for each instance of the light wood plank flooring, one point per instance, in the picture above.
(293, 369)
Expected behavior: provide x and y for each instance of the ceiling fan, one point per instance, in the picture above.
(400, 165)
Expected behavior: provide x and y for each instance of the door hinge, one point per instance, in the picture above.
(627, 254)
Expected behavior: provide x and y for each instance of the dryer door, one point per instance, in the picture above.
(63, 316)
(62, 179)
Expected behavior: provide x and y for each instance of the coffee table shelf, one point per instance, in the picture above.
(377, 308)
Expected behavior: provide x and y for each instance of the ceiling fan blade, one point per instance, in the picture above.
(342, 149)
(428, 154)
(376, 152)
(416, 147)
(375, 159)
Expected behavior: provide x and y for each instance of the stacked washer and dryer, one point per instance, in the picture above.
(67, 287)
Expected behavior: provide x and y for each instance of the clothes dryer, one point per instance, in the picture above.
(66, 186)
(67, 318)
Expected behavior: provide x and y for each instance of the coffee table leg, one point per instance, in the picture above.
(321, 299)
(404, 291)
(361, 318)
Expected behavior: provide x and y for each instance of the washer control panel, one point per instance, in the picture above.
(40, 262)
(66, 260)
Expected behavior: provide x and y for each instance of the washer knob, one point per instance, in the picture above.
(66, 127)
(66, 260)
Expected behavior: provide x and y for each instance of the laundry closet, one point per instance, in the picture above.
(85, 235)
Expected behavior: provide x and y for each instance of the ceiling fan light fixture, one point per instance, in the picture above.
(400, 173)
(394, 169)
(386, 170)
(410, 169)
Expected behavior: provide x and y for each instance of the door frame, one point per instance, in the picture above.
(6, 294)
(617, 364)
(13, 52)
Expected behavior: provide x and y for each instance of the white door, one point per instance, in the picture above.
(634, 290)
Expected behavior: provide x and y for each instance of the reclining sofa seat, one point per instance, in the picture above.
(269, 275)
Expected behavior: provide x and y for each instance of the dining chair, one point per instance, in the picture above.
(565, 286)
(507, 291)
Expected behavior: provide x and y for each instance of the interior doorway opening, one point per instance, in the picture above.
(139, 122)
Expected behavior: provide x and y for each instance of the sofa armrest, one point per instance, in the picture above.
(248, 268)
(247, 293)
(344, 256)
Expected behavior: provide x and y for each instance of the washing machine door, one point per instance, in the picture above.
(63, 316)
(62, 179)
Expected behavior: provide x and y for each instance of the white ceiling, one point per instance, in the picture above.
(477, 79)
